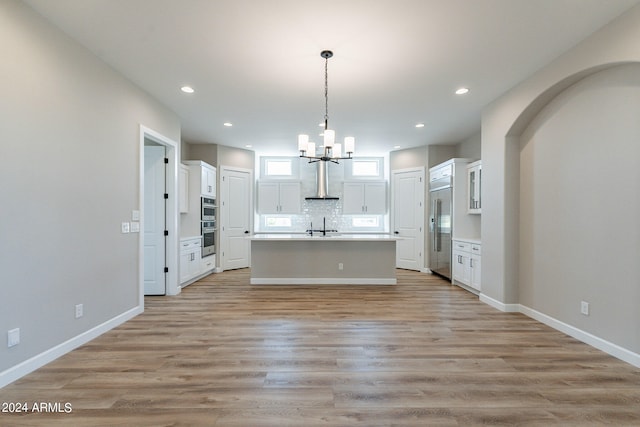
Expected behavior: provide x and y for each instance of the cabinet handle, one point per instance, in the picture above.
(471, 263)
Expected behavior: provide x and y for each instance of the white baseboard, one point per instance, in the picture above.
(587, 338)
(320, 281)
(507, 308)
(15, 372)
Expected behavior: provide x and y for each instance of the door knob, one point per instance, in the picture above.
(246, 231)
(396, 232)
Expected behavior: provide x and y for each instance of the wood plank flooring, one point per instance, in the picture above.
(420, 353)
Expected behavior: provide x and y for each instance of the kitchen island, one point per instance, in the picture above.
(331, 259)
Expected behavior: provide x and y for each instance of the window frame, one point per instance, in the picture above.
(348, 169)
(295, 168)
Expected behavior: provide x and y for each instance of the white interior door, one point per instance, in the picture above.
(154, 220)
(408, 217)
(237, 207)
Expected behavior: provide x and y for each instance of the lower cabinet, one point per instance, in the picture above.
(467, 263)
(190, 259)
(192, 265)
(208, 264)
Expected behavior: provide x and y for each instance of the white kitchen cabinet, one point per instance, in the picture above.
(364, 198)
(278, 197)
(183, 188)
(474, 187)
(467, 263)
(475, 268)
(190, 259)
(208, 181)
(461, 255)
(202, 177)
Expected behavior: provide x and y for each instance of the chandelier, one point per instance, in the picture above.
(332, 151)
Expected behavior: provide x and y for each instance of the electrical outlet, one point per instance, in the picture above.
(79, 311)
(340, 266)
(13, 337)
(584, 308)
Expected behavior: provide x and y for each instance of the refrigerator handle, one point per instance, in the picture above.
(436, 227)
(434, 223)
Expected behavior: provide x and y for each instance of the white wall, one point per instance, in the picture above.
(503, 123)
(70, 175)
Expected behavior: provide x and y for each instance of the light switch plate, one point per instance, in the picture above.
(125, 227)
(135, 227)
(135, 215)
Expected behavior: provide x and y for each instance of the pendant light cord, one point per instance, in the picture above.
(326, 93)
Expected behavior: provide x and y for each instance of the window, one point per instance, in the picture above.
(277, 222)
(365, 168)
(365, 222)
(279, 168)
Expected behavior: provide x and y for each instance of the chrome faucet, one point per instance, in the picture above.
(324, 228)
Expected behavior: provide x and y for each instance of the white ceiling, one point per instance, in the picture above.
(257, 64)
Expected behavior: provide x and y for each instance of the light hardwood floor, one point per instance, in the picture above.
(421, 353)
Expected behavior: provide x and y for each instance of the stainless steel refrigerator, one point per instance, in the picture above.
(440, 192)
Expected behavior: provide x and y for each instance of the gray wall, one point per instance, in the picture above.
(580, 204)
(470, 148)
(70, 175)
(531, 106)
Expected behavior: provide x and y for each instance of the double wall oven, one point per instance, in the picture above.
(208, 226)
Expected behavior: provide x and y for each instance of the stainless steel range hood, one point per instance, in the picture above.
(322, 182)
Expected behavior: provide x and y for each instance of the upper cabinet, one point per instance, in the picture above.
(278, 197)
(208, 181)
(364, 198)
(205, 174)
(474, 187)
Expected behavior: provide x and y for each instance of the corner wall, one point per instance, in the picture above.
(503, 123)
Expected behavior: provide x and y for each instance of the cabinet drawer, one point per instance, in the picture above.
(186, 245)
(461, 246)
(476, 249)
(208, 263)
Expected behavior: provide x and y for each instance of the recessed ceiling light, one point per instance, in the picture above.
(248, 146)
(462, 91)
(420, 125)
(187, 89)
(395, 147)
(227, 124)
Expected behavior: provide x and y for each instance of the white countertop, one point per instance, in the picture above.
(329, 236)
(467, 240)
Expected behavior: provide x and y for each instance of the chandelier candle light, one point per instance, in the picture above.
(332, 151)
